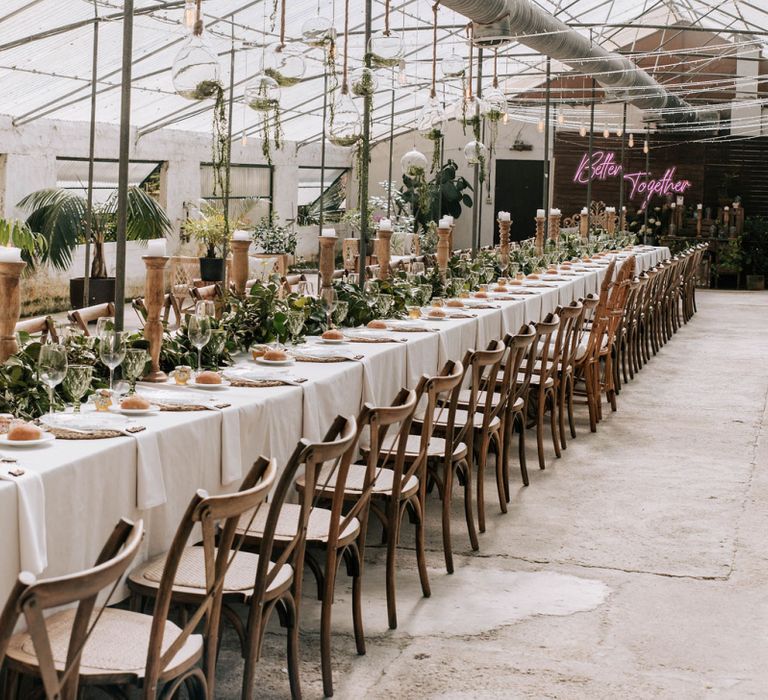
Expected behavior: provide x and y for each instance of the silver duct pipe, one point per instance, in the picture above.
(499, 21)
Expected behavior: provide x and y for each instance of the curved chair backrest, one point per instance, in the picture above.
(518, 348)
(31, 598)
(449, 378)
(42, 326)
(483, 367)
(82, 317)
(542, 349)
(567, 339)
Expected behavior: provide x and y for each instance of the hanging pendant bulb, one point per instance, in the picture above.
(453, 65)
(495, 104)
(318, 32)
(262, 94)
(345, 125)
(431, 119)
(540, 126)
(475, 152)
(386, 50)
(196, 70)
(631, 140)
(619, 132)
(284, 64)
(561, 119)
(646, 148)
(363, 82)
(190, 14)
(414, 164)
(582, 131)
(606, 132)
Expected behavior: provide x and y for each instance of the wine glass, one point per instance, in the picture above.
(330, 299)
(425, 293)
(302, 288)
(52, 367)
(352, 278)
(199, 332)
(104, 324)
(205, 308)
(112, 347)
(417, 268)
(503, 263)
(77, 382)
(342, 309)
(384, 304)
(294, 322)
(133, 366)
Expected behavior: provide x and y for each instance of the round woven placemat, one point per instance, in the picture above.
(331, 358)
(358, 339)
(261, 384)
(64, 434)
(179, 407)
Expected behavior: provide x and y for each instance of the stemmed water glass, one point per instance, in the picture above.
(294, 322)
(384, 304)
(77, 382)
(52, 366)
(417, 268)
(133, 366)
(503, 263)
(425, 293)
(330, 300)
(342, 309)
(112, 347)
(199, 332)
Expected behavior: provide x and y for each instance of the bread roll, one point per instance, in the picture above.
(501, 289)
(516, 282)
(551, 271)
(436, 313)
(455, 303)
(24, 431)
(481, 295)
(134, 403)
(533, 277)
(276, 355)
(208, 378)
(333, 334)
(378, 325)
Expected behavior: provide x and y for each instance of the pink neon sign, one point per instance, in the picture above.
(605, 165)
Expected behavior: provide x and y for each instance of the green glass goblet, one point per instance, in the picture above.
(134, 364)
(77, 382)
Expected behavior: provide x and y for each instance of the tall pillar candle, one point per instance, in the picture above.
(10, 306)
(154, 296)
(540, 221)
(327, 259)
(443, 246)
(384, 249)
(240, 246)
(610, 221)
(699, 219)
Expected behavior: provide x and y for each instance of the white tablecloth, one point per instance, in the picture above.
(89, 485)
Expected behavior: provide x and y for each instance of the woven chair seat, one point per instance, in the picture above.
(288, 522)
(465, 395)
(117, 645)
(383, 481)
(191, 573)
(436, 447)
(462, 417)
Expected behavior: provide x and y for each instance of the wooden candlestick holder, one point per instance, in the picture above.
(554, 227)
(443, 249)
(350, 248)
(384, 252)
(154, 296)
(327, 260)
(623, 221)
(10, 307)
(450, 239)
(540, 234)
(504, 229)
(239, 265)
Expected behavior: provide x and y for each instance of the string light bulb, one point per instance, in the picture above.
(646, 148)
(505, 118)
(619, 132)
(631, 140)
(582, 131)
(190, 14)
(606, 132)
(540, 126)
(561, 119)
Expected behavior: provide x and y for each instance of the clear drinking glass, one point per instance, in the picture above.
(342, 309)
(199, 332)
(105, 323)
(133, 366)
(112, 347)
(77, 382)
(352, 278)
(52, 367)
(417, 268)
(294, 322)
(205, 308)
(330, 300)
(384, 304)
(425, 293)
(302, 288)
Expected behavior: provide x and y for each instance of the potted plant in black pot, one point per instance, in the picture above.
(61, 217)
(210, 231)
(754, 244)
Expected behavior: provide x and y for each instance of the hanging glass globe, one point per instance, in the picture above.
(284, 64)
(431, 119)
(496, 105)
(196, 70)
(386, 50)
(466, 109)
(262, 94)
(363, 82)
(318, 31)
(414, 164)
(453, 66)
(345, 126)
(475, 152)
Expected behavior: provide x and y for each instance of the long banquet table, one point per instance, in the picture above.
(89, 484)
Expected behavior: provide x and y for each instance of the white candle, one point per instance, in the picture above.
(699, 206)
(450, 220)
(444, 223)
(673, 205)
(735, 205)
(10, 254)
(584, 211)
(726, 208)
(241, 236)
(328, 232)
(505, 216)
(385, 225)
(540, 213)
(156, 248)
(623, 209)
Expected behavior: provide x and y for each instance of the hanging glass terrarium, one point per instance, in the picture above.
(453, 66)
(414, 164)
(475, 153)
(262, 94)
(196, 70)
(386, 49)
(431, 119)
(318, 31)
(363, 82)
(345, 126)
(495, 104)
(284, 64)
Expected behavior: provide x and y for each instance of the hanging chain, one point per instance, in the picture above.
(470, 93)
(496, 68)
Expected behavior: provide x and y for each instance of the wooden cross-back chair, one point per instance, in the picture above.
(284, 530)
(183, 270)
(382, 484)
(41, 327)
(169, 304)
(58, 650)
(89, 314)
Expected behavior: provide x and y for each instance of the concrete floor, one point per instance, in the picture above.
(634, 567)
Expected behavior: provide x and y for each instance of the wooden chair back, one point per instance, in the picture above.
(31, 599)
(211, 292)
(483, 367)
(217, 517)
(41, 326)
(568, 335)
(169, 304)
(290, 281)
(543, 350)
(518, 348)
(89, 314)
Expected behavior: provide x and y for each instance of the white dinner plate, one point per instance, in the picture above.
(210, 387)
(47, 437)
(152, 410)
(425, 317)
(274, 363)
(331, 341)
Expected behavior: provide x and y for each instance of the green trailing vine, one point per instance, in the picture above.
(436, 136)
(220, 152)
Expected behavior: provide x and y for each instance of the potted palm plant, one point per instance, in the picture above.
(209, 229)
(61, 218)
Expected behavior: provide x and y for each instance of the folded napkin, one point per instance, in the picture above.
(30, 495)
(231, 456)
(257, 378)
(356, 338)
(340, 356)
(150, 485)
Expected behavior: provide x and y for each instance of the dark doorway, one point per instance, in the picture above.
(520, 191)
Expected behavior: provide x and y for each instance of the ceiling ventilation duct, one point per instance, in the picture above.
(499, 21)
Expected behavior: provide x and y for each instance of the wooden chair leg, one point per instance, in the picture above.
(521, 449)
(571, 420)
(540, 430)
(326, 612)
(421, 551)
(393, 535)
(446, 503)
(561, 401)
(469, 514)
(553, 424)
(501, 486)
(292, 629)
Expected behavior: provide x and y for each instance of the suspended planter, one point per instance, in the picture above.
(386, 49)
(431, 119)
(345, 126)
(475, 152)
(495, 105)
(363, 82)
(453, 66)
(414, 164)
(196, 70)
(262, 94)
(284, 64)
(318, 32)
